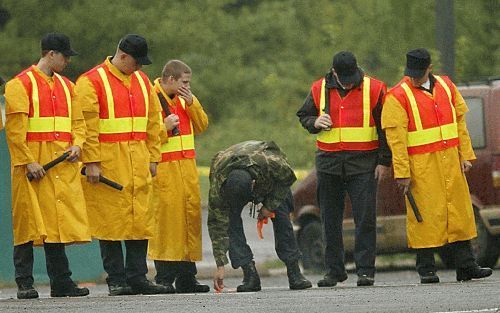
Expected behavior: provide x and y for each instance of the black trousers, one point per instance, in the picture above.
(362, 190)
(56, 262)
(461, 252)
(120, 271)
(284, 240)
(169, 271)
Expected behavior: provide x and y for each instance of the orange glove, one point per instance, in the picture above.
(261, 222)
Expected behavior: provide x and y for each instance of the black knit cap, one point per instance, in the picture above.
(345, 65)
(57, 42)
(236, 191)
(136, 46)
(417, 62)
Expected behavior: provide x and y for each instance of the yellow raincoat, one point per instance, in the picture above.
(113, 214)
(177, 235)
(437, 182)
(51, 209)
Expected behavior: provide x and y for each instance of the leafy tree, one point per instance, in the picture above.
(253, 60)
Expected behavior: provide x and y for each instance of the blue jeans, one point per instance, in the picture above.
(284, 240)
(362, 190)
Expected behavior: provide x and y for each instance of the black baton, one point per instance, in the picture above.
(51, 164)
(104, 180)
(414, 206)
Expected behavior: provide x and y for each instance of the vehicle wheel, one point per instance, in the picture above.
(311, 245)
(486, 247)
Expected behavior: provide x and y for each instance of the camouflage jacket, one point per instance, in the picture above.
(273, 177)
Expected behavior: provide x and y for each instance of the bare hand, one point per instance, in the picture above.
(75, 153)
(381, 172)
(219, 279)
(185, 92)
(403, 184)
(171, 121)
(36, 170)
(93, 172)
(323, 122)
(152, 168)
(466, 166)
(264, 213)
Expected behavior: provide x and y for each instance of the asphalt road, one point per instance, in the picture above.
(393, 292)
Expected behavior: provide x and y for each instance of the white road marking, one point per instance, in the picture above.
(494, 310)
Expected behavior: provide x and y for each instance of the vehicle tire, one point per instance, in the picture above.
(486, 248)
(310, 241)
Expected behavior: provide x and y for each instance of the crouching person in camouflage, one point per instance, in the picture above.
(256, 172)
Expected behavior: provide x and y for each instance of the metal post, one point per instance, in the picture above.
(445, 35)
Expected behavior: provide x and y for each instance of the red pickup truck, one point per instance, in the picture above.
(483, 120)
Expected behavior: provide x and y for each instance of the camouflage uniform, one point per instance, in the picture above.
(268, 165)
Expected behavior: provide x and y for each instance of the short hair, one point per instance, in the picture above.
(236, 191)
(175, 68)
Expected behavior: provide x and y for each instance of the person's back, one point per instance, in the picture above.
(257, 172)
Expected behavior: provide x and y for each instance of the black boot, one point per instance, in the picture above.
(69, 289)
(251, 279)
(187, 283)
(145, 287)
(169, 287)
(474, 272)
(331, 280)
(120, 290)
(26, 291)
(296, 280)
(429, 278)
(166, 271)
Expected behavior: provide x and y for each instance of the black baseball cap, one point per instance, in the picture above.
(236, 191)
(57, 42)
(345, 65)
(137, 47)
(417, 62)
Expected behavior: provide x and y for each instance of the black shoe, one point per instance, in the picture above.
(474, 272)
(68, 290)
(296, 280)
(251, 279)
(330, 280)
(169, 287)
(189, 284)
(120, 290)
(429, 278)
(145, 287)
(26, 292)
(365, 280)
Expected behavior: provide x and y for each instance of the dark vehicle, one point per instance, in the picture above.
(483, 120)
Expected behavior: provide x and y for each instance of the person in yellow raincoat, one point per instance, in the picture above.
(121, 112)
(42, 123)
(176, 243)
(424, 120)
(2, 82)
